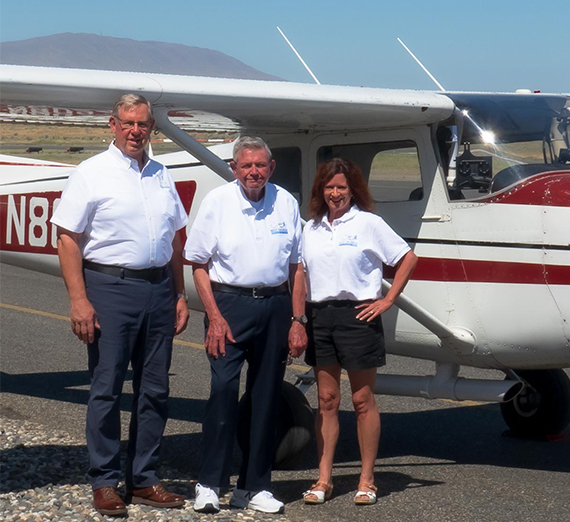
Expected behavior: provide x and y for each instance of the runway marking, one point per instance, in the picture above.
(35, 312)
(187, 343)
(465, 403)
(299, 367)
(65, 318)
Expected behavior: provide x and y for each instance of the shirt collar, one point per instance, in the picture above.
(347, 216)
(245, 202)
(127, 160)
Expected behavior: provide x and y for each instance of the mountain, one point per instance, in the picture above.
(90, 51)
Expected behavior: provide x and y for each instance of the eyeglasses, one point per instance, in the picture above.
(129, 125)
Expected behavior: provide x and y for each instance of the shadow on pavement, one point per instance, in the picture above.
(454, 435)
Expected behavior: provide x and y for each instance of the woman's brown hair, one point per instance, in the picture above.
(356, 183)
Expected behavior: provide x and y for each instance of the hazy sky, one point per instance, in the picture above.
(483, 45)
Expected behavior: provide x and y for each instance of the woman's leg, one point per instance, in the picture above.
(328, 383)
(362, 384)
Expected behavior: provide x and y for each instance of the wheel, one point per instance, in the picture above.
(293, 431)
(541, 409)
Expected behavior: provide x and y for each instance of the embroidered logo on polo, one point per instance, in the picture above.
(348, 240)
(279, 228)
(163, 182)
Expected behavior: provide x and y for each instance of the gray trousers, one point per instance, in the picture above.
(137, 326)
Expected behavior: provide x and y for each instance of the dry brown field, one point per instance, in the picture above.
(55, 139)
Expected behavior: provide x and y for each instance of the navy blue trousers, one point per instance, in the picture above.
(260, 328)
(137, 326)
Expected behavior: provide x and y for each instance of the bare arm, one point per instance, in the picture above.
(177, 265)
(404, 270)
(218, 329)
(297, 333)
(82, 314)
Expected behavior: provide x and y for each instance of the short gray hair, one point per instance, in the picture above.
(250, 143)
(128, 101)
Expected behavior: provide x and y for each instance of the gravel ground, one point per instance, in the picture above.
(42, 478)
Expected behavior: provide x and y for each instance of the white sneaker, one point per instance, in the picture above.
(265, 502)
(207, 500)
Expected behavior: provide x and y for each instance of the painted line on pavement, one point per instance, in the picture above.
(299, 367)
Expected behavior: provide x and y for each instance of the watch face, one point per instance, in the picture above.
(301, 318)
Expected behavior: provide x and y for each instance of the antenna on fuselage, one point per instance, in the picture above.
(454, 142)
(299, 56)
(441, 88)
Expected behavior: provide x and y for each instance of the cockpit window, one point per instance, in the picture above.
(391, 168)
(505, 146)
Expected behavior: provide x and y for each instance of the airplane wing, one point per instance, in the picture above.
(247, 104)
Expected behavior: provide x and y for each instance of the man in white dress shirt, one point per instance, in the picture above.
(120, 252)
(245, 249)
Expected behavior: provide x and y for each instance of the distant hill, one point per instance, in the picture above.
(89, 51)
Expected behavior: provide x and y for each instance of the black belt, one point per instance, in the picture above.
(337, 303)
(152, 275)
(257, 292)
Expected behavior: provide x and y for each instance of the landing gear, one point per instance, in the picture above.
(293, 431)
(543, 406)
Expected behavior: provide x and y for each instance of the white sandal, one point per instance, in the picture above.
(315, 496)
(365, 498)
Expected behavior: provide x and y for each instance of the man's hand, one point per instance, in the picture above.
(182, 316)
(83, 320)
(297, 339)
(218, 332)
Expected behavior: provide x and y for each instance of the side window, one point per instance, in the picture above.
(287, 169)
(391, 168)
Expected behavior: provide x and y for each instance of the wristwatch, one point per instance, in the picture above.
(182, 296)
(300, 318)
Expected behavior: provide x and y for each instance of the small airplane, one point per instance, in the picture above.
(477, 183)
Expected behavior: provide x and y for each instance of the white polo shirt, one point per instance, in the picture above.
(245, 243)
(344, 258)
(127, 218)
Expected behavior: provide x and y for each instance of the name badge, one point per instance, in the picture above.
(279, 228)
(349, 241)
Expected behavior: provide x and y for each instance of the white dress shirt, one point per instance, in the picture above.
(246, 243)
(343, 259)
(127, 218)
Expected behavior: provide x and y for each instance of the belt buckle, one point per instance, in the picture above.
(254, 294)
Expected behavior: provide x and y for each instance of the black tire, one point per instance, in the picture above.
(542, 411)
(293, 431)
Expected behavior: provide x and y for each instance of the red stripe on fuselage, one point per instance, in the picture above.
(25, 219)
(11, 164)
(472, 271)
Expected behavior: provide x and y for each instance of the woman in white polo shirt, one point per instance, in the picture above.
(344, 247)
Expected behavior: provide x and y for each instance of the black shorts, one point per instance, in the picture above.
(336, 336)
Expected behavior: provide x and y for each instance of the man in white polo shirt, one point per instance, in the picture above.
(245, 249)
(120, 252)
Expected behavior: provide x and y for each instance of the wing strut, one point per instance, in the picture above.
(446, 383)
(188, 143)
(459, 339)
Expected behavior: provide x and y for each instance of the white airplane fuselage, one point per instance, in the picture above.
(496, 267)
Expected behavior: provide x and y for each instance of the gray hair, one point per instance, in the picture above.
(128, 101)
(250, 143)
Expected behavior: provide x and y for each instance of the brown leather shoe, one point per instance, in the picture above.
(107, 502)
(156, 496)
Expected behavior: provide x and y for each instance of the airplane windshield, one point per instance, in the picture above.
(492, 145)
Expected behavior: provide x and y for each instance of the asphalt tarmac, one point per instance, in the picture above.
(438, 460)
